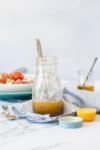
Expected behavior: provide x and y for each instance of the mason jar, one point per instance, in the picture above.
(47, 95)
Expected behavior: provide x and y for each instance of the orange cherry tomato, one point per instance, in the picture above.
(16, 75)
(2, 79)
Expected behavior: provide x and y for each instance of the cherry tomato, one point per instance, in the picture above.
(2, 79)
(16, 75)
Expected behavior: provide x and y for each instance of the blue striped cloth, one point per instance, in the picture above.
(82, 98)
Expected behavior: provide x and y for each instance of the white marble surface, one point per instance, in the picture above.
(19, 134)
(22, 135)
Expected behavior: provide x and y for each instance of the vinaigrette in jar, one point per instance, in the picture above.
(53, 108)
(47, 93)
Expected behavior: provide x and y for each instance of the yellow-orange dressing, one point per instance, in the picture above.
(53, 108)
(88, 88)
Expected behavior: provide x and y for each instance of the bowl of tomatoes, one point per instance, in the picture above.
(15, 85)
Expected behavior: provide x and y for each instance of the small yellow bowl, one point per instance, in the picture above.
(87, 114)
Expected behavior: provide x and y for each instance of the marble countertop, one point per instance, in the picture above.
(22, 135)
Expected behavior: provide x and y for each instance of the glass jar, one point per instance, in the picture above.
(47, 92)
(89, 84)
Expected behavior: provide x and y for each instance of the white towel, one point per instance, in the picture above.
(82, 98)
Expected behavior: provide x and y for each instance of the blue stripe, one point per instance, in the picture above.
(80, 101)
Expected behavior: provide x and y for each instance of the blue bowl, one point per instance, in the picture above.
(15, 97)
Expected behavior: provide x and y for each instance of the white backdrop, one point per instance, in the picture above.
(69, 29)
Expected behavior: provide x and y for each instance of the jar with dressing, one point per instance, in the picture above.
(47, 93)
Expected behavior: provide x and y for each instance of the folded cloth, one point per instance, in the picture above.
(25, 106)
(74, 98)
(36, 118)
(82, 98)
(32, 117)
